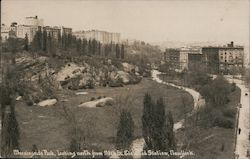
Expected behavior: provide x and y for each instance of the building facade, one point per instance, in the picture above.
(226, 59)
(182, 58)
(172, 56)
(33, 21)
(30, 27)
(65, 30)
(4, 32)
(101, 36)
(22, 30)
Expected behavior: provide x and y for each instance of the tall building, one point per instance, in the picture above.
(102, 36)
(224, 59)
(65, 30)
(33, 21)
(173, 57)
(33, 24)
(30, 27)
(53, 31)
(22, 30)
(4, 32)
(182, 58)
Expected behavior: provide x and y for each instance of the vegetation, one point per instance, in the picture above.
(157, 126)
(125, 132)
(68, 45)
(216, 92)
(10, 129)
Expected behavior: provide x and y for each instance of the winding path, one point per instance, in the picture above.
(138, 144)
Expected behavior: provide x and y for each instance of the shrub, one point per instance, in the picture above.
(229, 113)
(92, 98)
(34, 148)
(99, 97)
(223, 122)
(233, 87)
(29, 102)
(36, 100)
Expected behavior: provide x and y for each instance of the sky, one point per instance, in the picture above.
(221, 21)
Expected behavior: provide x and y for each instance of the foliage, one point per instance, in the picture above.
(217, 91)
(74, 146)
(26, 43)
(10, 131)
(125, 132)
(157, 125)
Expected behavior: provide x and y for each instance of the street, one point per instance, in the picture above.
(242, 141)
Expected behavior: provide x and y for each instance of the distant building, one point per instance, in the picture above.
(223, 59)
(191, 57)
(22, 30)
(172, 56)
(30, 27)
(66, 31)
(53, 31)
(33, 21)
(102, 36)
(4, 32)
(182, 58)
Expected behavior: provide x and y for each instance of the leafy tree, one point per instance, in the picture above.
(122, 52)
(117, 51)
(79, 46)
(90, 47)
(44, 40)
(94, 47)
(125, 130)
(106, 50)
(26, 43)
(64, 41)
(217, 92)
(10, 130)
(84, 46)
(157, 125)
(99, 48)
(147, 121)
(39, 34)
(51, 45)
(14, 45)
(74, 146)
(59, 40)
(37, 41)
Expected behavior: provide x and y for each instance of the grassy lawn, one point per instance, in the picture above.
(48, 129)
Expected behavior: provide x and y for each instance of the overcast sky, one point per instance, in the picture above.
(152, 21)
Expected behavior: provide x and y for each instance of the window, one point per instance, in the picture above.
(225, 60)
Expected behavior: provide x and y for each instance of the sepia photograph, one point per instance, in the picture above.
(125, 79)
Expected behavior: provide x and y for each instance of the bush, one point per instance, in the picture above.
(92, 98)
(99, 97)
(229, 113)
(90, 84)
(36, 100)
(29, 102)
(223, 122)
(233, 87)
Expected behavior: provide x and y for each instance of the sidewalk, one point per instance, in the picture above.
(242, 141)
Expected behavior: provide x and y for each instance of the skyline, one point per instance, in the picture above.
(152, 21)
